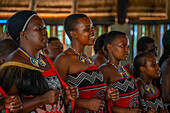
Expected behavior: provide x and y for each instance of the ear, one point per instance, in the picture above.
(141, 68)
(109, 47)
(73, 34)
(23, 35)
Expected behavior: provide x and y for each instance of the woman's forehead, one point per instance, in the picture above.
(36, 20)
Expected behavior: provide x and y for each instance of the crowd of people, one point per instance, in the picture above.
(37, 76)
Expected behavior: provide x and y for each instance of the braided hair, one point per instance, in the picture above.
(140, 60)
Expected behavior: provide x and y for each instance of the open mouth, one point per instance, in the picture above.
(92, 38)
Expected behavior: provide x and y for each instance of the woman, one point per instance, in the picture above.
(79, 70)
(29, 30)
(146, 69)
(116, 76)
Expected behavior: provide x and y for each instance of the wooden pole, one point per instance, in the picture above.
(74, 7)
(32, 5)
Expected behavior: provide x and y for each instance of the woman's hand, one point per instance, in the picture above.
(95, 104)
(71, 93)
(52, 97)
(13, 103)
(112, 94)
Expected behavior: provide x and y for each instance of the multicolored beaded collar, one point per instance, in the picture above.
(82, 58)
(34, 61)
(147, 87)
(121, 71)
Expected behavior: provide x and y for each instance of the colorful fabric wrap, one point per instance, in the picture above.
(3, 94)
(128, 93)
(90, 83)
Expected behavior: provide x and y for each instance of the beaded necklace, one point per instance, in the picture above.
(82, 58)
(34, 61)
(148, 87)
(122, 72)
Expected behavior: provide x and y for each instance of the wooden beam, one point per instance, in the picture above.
(32, 5)
(54, 3)
(74, 7)
(168, 9)
(53, 9)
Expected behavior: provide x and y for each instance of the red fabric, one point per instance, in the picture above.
(90, 92)
(4, 95)
(52, 72)
(126, 98)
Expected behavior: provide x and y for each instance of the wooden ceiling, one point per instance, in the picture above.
(100, 11)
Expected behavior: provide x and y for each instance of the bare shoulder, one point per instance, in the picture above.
(64, 57)
(16, 56)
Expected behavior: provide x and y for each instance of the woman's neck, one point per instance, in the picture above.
(145, 79)
(114, 61)
(32, 53)
(79, 49)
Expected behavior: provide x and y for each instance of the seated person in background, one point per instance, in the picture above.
(144, 44)
(145, 70)
(9, 103)
(53, 49)
(7, 46)
(147, 44)
(100, 56)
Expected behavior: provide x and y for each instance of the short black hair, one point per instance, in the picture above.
(70, 23)
(143, 42)
(140, 60)
(111, 36)
(99, 43)
(52, 38)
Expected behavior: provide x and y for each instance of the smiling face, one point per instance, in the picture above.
(84, 31)
(119, 47)
(36, 33)
(151, 68)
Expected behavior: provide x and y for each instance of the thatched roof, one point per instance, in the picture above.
(101, 11)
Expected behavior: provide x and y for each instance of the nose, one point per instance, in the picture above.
(127, 49)
(157, 67)
(45, 32)
(92, 31)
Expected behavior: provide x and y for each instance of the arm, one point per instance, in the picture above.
(92, 104)
(50, 97)
(165, 68)
(118, 109)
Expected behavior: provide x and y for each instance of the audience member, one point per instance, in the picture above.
(7, 46)
(53, 49)
(100, 56)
